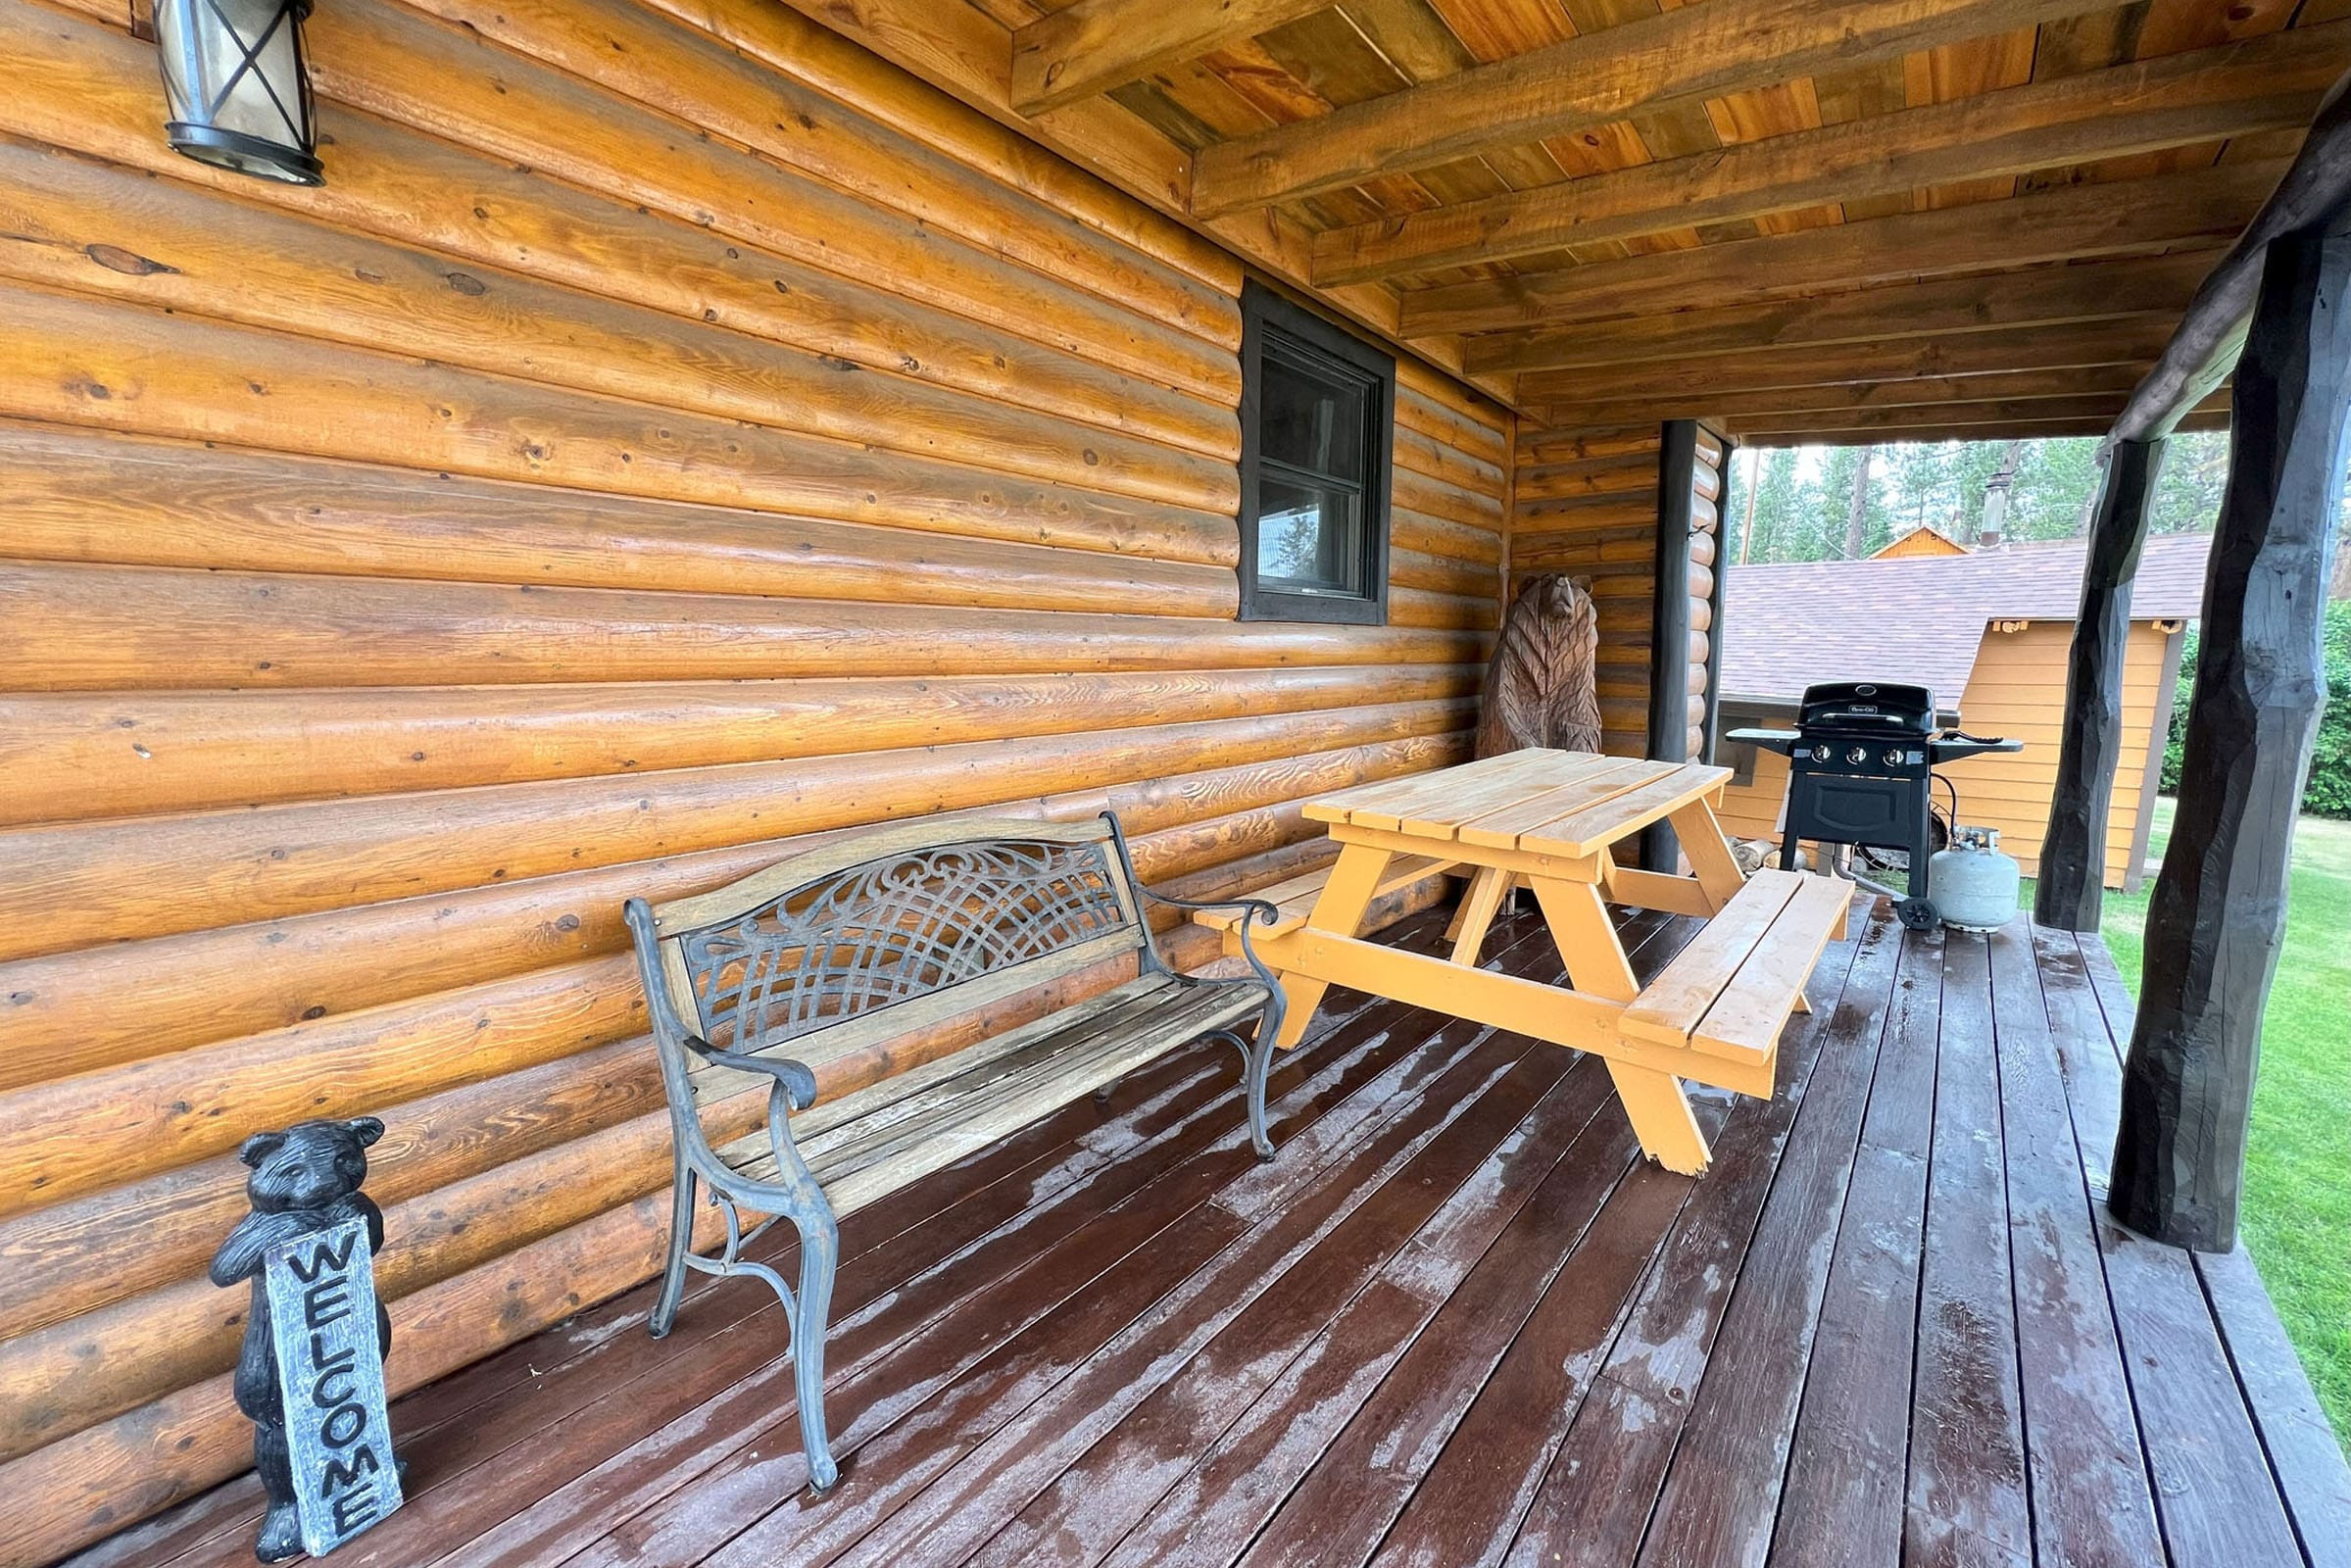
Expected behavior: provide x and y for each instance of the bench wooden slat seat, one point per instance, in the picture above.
(893, 1133)
(1731, 990)
(828, 962)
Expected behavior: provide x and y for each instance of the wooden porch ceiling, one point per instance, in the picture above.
(1732, 206)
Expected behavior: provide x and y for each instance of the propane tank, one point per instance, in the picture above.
(1972, 884)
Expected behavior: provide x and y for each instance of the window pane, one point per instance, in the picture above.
(1311, 418)
(1305, 537)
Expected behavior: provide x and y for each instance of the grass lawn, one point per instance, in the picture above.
(2297, 1211)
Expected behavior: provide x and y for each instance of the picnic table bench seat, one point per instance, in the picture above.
(831, 959)
(1731, 990)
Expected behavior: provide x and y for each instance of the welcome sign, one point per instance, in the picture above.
(331, 1368)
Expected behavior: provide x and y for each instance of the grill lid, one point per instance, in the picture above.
(1868, 707)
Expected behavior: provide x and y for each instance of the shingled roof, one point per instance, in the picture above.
(1920, 619)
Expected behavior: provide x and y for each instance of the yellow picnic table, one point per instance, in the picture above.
(1550, 820)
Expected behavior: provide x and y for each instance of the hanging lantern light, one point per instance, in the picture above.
(238, 92)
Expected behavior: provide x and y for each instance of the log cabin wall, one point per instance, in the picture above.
(644, 452)
(1586, 503)
(1704, 546)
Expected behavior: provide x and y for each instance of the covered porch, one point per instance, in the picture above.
(1457, 1322)
(679, 435)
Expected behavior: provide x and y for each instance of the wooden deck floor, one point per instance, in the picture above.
(1455, 1322)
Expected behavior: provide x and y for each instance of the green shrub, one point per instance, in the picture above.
(2329, 792)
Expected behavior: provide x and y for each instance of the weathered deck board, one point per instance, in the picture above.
(1457, 1322)
(1967, 1500)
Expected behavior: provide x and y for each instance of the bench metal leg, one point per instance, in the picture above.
(1256, 1065)
(681, 1242)
(820, 1252)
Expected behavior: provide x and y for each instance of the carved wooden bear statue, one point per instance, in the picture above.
(305, 1180)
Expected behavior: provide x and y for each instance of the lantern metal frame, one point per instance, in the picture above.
(185, 27)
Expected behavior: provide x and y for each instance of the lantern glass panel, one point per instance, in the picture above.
(233, 75)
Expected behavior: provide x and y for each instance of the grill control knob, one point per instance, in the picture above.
(1821, 754)
(1893, 757)
(1858, 756)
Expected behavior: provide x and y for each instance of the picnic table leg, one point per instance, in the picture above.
(1597, 965)
(1710, 859)
(1353, 880)
(1475, 918)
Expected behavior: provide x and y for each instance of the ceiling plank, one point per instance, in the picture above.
(2059, 225)
(960, 51)
(2009, 386)
(2131, 340)
(1096, 45)
(2046, 295)
(2267, 84)
(1671, 61)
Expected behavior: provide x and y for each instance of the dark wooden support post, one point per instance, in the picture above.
(1714, 600)
(1669, 621)
(2218, 915)
(2071, 886)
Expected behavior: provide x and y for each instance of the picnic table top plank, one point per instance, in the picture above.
(1499, 827)
(1443, 813)
(1378, 802)
(1621, 816)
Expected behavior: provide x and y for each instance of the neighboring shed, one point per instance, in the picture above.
(1988, 634)
(1924, 540)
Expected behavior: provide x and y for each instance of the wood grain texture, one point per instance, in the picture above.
(656, 396)
(1583, 84)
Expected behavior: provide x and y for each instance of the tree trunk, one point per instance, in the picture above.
(2218, 915)
(1858, 507)
(2070, 887)
(1747, 525)
(2342, 557)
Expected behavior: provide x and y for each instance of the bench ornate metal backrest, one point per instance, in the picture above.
(840, 950)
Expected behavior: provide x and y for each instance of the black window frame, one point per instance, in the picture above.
(1266, 315)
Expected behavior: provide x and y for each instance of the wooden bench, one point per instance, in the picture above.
(827, 959)
(1730, 992)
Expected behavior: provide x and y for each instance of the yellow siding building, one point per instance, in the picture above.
(1993, 627)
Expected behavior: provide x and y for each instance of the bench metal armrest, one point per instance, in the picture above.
(791, 1078)
(791, 1086)
(1252, 911)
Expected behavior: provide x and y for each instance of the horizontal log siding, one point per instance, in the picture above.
(671, 438)
(1586, 503)
(1705, 535)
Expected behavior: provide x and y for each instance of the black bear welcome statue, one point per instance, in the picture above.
(310, 1374)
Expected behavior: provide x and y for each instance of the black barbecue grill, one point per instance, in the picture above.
(1861, 772)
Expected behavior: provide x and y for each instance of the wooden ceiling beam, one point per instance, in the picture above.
(1996, 431)
(2271, 83)
(965, 53)
(2114, 218)
(1835, 400)
(2041, 296)
(2042, 411)
(1096, 45)
(2134, 339)
(1672, 60)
